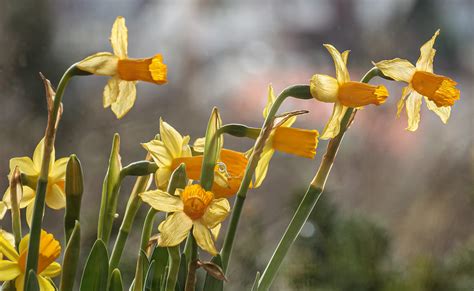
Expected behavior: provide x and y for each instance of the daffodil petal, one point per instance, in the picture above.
(103, 64)
(203, 238)
(7, 249)
(413, 108)
(333, 126)
(119, 37)
(427, 53)
(324, 88)
(9, 270)
(111, 91)
(401, 103)
(45, 284)
(125, 99)
(3, 209)
(29, 213)
(26, 199)
(8, 236)
(397, 69)
(162, 201)
(174, 229)
(198, 145)
(345, 56)
(215, 231)
(25, 164)
(24, 243)
(162, 176)
(171, 138)
(216, 212)
(51, 271)
(342, 74)
(19, 282)
(262, 167)
(443, 112)
(159, 153)
(58, 172)
(38, 156)
(55, 197)
(270, 100)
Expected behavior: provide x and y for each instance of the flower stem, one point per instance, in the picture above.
(298, 91)
(35, 231)
(310, 198)
(191, 277)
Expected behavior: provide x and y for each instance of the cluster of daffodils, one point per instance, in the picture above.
(194, 182)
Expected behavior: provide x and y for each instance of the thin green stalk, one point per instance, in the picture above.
(310, 198)
(35, 231)
(134, 203)
(147, 228)
(299, 91)
(191, 277)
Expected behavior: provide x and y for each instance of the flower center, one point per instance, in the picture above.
(357, 94)
(439, 89)
(149, 70)
(49, 251)
(196, 200)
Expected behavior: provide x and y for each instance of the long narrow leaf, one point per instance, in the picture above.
(96, 271)
(71, 259)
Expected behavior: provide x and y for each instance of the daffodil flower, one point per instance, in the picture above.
(55, 195)
(120, 92)
(439, 92)
(192, 208)
(343, 92)
(13, 267)
(295, 141)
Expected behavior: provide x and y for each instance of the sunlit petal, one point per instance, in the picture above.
(262, 167)
(171, 138)
(324, 88)
(111, 91)
(427, 53)
(342, 74)
(58, 172)
(26, 166)
(443, 112)
(53, 270)
(162, 201)
(55, 197)
(45, 284)
(174, 229)
(216, 212)
(125, 99)
(203, 238)
(103, 64)
(333, 126)
(397, 69)
(270, 100)
(9, 270)
(119, 38)
(413, 108)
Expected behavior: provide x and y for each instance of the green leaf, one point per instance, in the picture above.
(32, 282)
(71, 259)
(212, 149)
(96, 271)
(140, 273)
(173, 267)
(182, 273)
(160, 257)
(116, 281)
(211, 283)
(255, 283)
(74, 188)
(149, 277)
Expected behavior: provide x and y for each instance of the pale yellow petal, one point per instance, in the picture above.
(262, 167)
(111, 92)
(324, 88)
(29, 213)
(215, 231)
(162, 176)
(401, 103)
(27, 198)
(19, 282)
(289, 122)
(159, 153)
(397, 69)
(7, 248)
(174, 229)
(333, 126)
(216, 212)
(342, 74)
(162, 201)
(119, 38)
(345, 56)
(55, 197)
(26, 166)
(443, 112)
(103, 64)
(9, 270)
(58, 172)
(413, 108)
(24, 243)
(427, 53)
(198, 145)
(3, 210)
(203, 238)
(51, 271)
(171, 138)
(45, 284)
(270, 100)
(125, 99)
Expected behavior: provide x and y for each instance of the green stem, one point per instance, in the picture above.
(299, 91)
(310, 198)
(35, 231)
(191, 277)
(147, 228)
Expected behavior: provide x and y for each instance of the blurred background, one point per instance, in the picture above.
(398, 213)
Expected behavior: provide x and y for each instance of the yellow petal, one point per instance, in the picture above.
(119, 38)
(342, 74)
(203, 238)
(427, 53)
(111, 91)
(162, 176)
(3, 211)
(215, 231)
(26, 166)
(55, 197)
(270, 100)
(216, 212)
(7, 248)
(51, 271)
(159, 153)
(413, 107)
(324, 88)
(262, 167)
(27, 198)
(442, 112)
(19, 282)
(198, 145)
(45, 284)
(397, 69)
(162, 201)
(103, 64)
(58, 172)
(174, 229)
(125, 99)
(9, 270)
(333, 126)
(29, 213)
(401, 103)
(345, 56)
(171, 138)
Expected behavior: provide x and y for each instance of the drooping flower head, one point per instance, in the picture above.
(13, 264)
(343, 92)
(439, 92)
(190, 208)
(55, 195)
(120, 91)
(294, 141)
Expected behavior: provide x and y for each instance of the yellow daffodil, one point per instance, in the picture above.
(191, 208)
(13, 268)
(8, 237)
(171, 145)
(295, 141)
(120, 92)
(55, 196)
(439, 92)
(343, 92)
